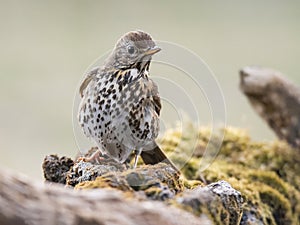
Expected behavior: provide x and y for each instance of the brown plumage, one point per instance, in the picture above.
(120, 104)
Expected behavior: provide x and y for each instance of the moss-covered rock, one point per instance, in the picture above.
(157, 182)
(266, 173)
(219, 201)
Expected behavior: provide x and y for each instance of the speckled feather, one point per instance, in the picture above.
(120, 110)
(120, 104)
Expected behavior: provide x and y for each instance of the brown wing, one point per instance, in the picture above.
(156, 98)
(89, 76)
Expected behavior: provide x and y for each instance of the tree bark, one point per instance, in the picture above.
(275, 99)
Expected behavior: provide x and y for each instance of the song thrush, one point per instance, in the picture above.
(120, 104)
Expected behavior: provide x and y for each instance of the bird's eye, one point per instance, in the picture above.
(130, 49)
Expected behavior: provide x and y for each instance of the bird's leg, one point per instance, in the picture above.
(137, 154)
(95, 157)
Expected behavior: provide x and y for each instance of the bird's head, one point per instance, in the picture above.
(133, 50)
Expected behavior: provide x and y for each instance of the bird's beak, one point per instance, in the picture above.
(152, 51)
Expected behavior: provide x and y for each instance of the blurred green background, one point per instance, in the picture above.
(46, 46)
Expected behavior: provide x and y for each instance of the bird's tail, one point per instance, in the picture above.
(155, 156)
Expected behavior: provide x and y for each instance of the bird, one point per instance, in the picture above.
(120, 104)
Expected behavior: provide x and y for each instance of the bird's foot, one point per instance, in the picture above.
(96, 157)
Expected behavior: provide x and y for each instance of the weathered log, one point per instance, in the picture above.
(23, 201)
(275, 99)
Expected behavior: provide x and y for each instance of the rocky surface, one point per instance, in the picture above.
(158, 182)
(248, 183)
(86, 171)
(218, 200)
(56, 168)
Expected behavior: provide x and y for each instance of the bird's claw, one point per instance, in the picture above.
(95, 157)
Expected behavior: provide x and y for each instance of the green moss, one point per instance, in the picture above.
(191, 184)
(266, 173)
(107, 181)
(279, 205)
(191, 168)
(271, 179)
(205, 204)
(157, 178)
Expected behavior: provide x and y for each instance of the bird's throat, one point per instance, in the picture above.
(142, 66)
